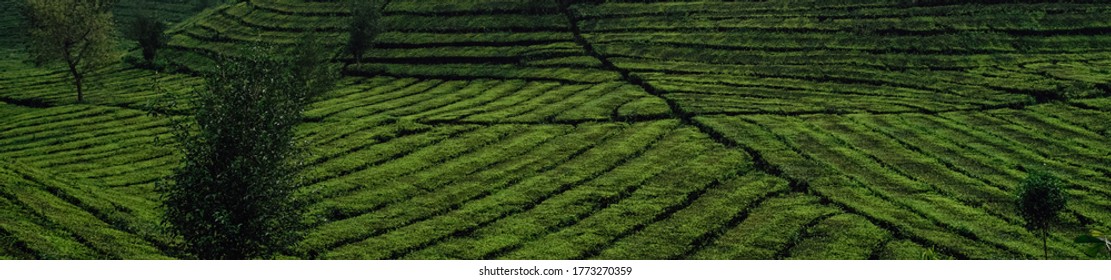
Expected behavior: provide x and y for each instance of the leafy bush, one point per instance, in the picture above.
(148, 32)
(309, 65)
(1041, 196)
(363, 28)
(235, 197)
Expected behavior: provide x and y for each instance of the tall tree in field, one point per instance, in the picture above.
(1041, 196)
(148, 32)
(236, 196)
(363, 28)
(78, 33)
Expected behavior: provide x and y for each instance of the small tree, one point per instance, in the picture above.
(149, 33)
(363, 27)
(310, 63)
(236, 195)
(1041, 196)
(76, 32)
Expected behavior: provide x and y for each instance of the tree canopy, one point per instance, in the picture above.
(363, 27)
(235, 196)
(1041, 197)
(148, 32)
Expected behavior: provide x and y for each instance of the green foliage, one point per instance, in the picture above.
(62, 220)
(682, 232)
(148, 32)
(952, 2)
(907, 250)
(1041, 196)
(584, 2)
(201, 4)
(363, 28)
(1098, 244)
(78, 33)
(841, 237)
(774, 224)
(1077, 89)
(495, 134)
(234, 197)
(309, 63)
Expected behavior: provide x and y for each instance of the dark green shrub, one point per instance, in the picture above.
(363, 28)
(149, 33)
(236, 197)
(1041, 196)
(310, 64)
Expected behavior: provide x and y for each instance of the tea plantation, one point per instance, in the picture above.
(540, 129)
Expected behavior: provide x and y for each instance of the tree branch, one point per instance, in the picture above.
(85, 47)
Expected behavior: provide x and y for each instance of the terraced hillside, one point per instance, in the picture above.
(495, 129)
(167, 10)
(853, 56)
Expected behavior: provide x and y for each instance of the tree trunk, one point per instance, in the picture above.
(80, 91)
(76, 81)
(1045, 242)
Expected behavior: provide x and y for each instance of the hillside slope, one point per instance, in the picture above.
(494, 129)
(48, 218)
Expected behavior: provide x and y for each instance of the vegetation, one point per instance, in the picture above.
(201, 4)
(148, 32)
(235, 196)
(1041, 197)
(310, 66)
(77, 33)
(167, 11)
(364, 28)
(1099, 244)
(622, 129)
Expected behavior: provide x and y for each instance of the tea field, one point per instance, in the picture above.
(534, 129)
